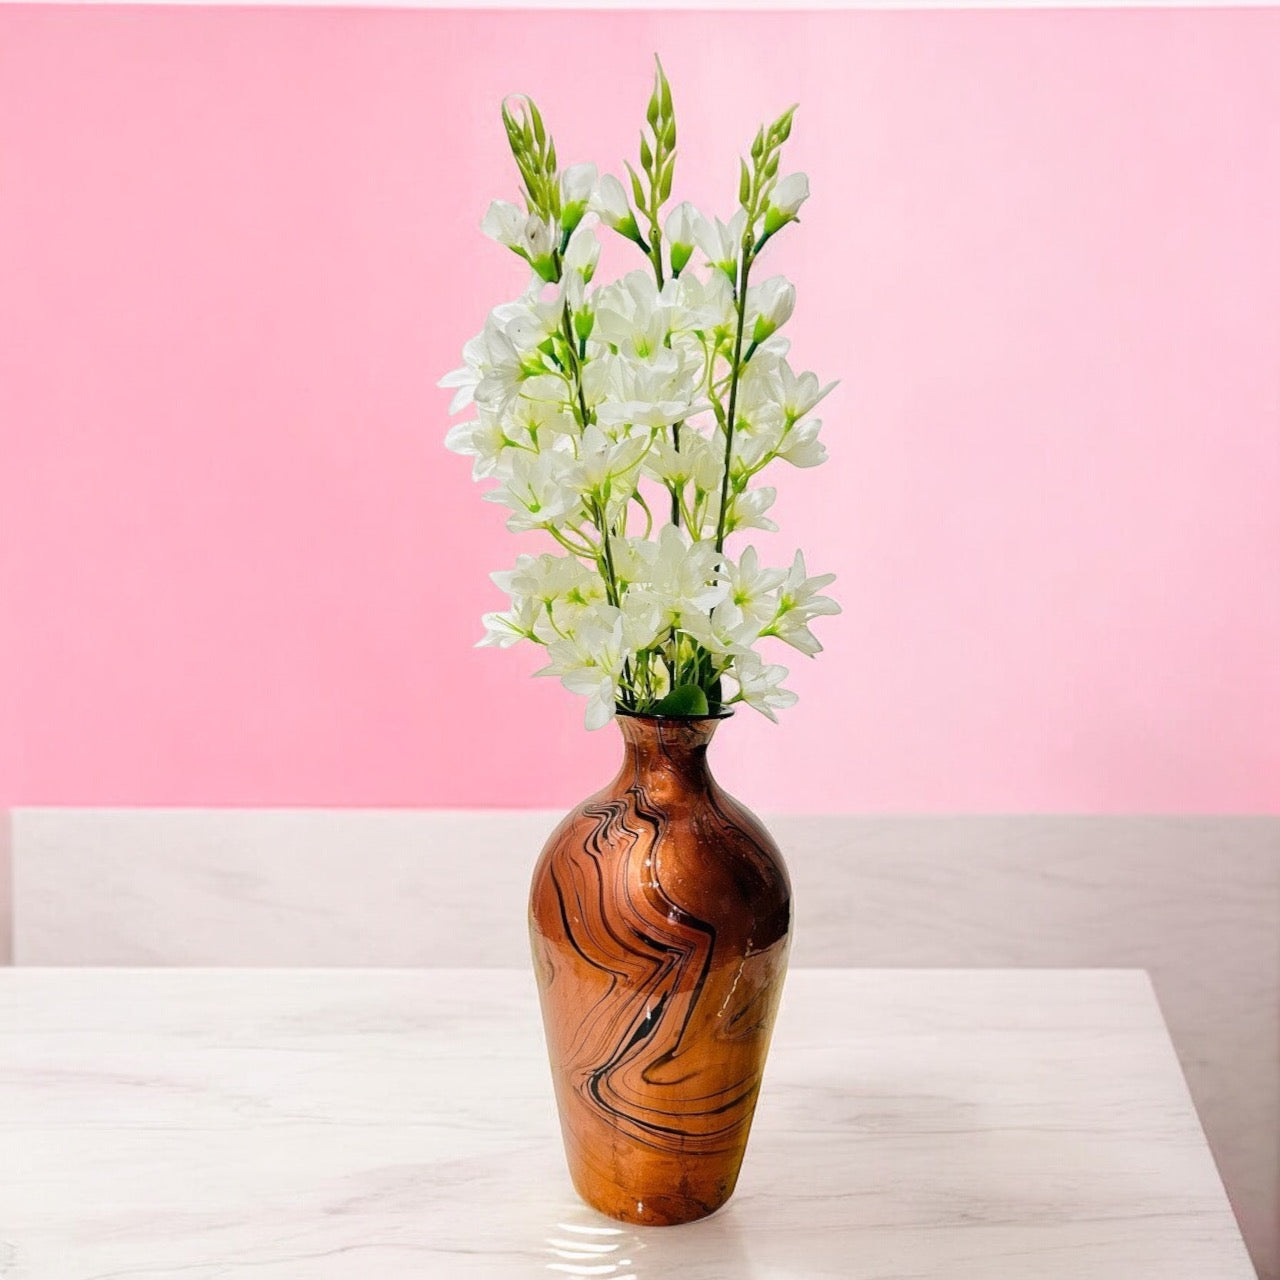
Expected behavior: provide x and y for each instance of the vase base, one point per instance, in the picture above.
(653, 1210)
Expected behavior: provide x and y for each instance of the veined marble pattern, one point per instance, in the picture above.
(1195, 900)
(320, 1125)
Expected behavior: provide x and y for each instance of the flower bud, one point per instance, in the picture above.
(679, 233)
(582, 252)
(774, 302)
(610, 202)
(576, 185)
(536, 239)
(504, 222)
(784, 204)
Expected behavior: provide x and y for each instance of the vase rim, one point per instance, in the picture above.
(723, 714)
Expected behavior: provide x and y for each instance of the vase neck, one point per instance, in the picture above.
(666, 756)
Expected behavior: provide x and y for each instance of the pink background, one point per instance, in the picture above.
(237, 248)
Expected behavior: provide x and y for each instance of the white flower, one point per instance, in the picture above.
(543, 389)
(642, 621)
(603, 464)
(529, 321)
(631, 317)
(747, 510)
(644, 395)
(703, 304)
(504, 222)
(679, 232)
(528, 235)
(590, 662)
(798, 395)
(537, 493)
(577, 183)
(503, 354)
(749, 605)
(502, 630)
(560, 588)
(610, 202)
(714, 632)
(501, 367)
(760, 685)
(769, 306)
(785, 201)
(546, 578)
(466, 378)
(679, 575)
(482, 439)
(751, 601)
(801, 446)
(759, 424)
(581, 254)
(721, 242)
(798, 601)
(538, 241)
(535, 423)
(694, 460)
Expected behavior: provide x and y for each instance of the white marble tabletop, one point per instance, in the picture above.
(376, 1124)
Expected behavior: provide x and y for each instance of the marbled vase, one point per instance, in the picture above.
(659, 915)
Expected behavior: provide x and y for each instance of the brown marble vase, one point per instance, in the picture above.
(659, 915)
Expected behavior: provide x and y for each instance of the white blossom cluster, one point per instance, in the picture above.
(604, 416)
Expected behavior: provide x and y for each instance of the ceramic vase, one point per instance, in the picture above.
(660, 915)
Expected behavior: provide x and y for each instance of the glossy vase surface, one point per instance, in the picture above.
(659, 915)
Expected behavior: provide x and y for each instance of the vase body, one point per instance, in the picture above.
(659, 915)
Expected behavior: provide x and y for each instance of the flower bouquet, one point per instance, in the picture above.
(630, 423)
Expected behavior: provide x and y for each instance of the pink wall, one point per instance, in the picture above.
(238, 247)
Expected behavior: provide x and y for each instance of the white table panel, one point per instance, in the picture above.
(326, 1124)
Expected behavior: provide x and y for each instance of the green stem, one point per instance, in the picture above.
(597, 510)
(655, 241)
(648, 515)
(606, 555)
(586, 550)
(733, 399)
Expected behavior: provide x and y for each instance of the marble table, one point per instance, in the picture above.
(206, 1124)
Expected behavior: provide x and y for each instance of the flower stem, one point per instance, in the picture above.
(735, 374)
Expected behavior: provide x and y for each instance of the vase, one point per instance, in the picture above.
(660, 916)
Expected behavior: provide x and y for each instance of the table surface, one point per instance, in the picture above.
(376, 1124)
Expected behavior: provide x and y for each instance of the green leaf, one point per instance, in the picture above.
(683, 700)
(637, 187)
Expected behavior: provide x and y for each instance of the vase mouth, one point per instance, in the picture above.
(723, 714)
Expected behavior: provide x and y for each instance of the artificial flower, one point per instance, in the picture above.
(609, 418)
